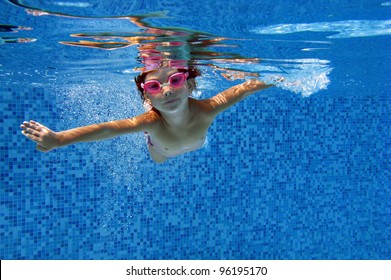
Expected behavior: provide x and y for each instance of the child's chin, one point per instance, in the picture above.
(172, 105)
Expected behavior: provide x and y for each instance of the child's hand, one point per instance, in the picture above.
(45, 138)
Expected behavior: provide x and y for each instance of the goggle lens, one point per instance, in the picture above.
(176, 80)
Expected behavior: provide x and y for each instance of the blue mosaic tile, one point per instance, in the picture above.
(285, 178)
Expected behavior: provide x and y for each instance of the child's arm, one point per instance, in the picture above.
(47, 139)
(233, 95)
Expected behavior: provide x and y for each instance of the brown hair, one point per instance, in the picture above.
(193, 73)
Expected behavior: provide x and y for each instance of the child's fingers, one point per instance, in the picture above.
(32, 132)
(30, 136)
(36, 125)
(29, 123)
(25, 125)
(30, 126)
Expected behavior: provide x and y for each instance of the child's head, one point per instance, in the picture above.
(191, 73)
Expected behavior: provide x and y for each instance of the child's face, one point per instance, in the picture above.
(169, 98)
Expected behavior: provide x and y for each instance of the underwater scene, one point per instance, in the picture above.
(297, 171)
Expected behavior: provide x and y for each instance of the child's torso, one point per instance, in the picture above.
(171, 143)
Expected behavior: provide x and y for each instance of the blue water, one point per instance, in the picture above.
(300, 171)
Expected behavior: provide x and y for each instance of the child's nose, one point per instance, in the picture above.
(166, 88)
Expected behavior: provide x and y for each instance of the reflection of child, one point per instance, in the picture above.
(176, 124)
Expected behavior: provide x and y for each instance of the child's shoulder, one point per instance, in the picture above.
(148, 120)
(203, 108)
(200, 104)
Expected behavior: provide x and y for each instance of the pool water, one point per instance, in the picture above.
(299, 171)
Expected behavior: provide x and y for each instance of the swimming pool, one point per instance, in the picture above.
(283, 176)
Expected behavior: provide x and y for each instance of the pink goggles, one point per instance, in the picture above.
(176, 80)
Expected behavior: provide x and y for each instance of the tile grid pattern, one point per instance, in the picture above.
(282, 177)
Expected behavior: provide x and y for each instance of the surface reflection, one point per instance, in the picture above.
(183, 47)
(159, 45)
(6, 28)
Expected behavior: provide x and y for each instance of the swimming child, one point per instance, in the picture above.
(175, 124)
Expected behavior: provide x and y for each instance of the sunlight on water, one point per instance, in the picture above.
(73, 4)
(11, 38)
(343, 29)
(157, 45)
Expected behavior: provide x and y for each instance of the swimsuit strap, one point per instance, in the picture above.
(149, 141)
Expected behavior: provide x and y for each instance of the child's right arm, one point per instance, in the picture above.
(233, 95)
(47, 139)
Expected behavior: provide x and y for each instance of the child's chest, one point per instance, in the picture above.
(172, 142)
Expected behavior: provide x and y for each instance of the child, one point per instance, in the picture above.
(176, 123)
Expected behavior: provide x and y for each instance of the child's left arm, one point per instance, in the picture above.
(233, 95)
